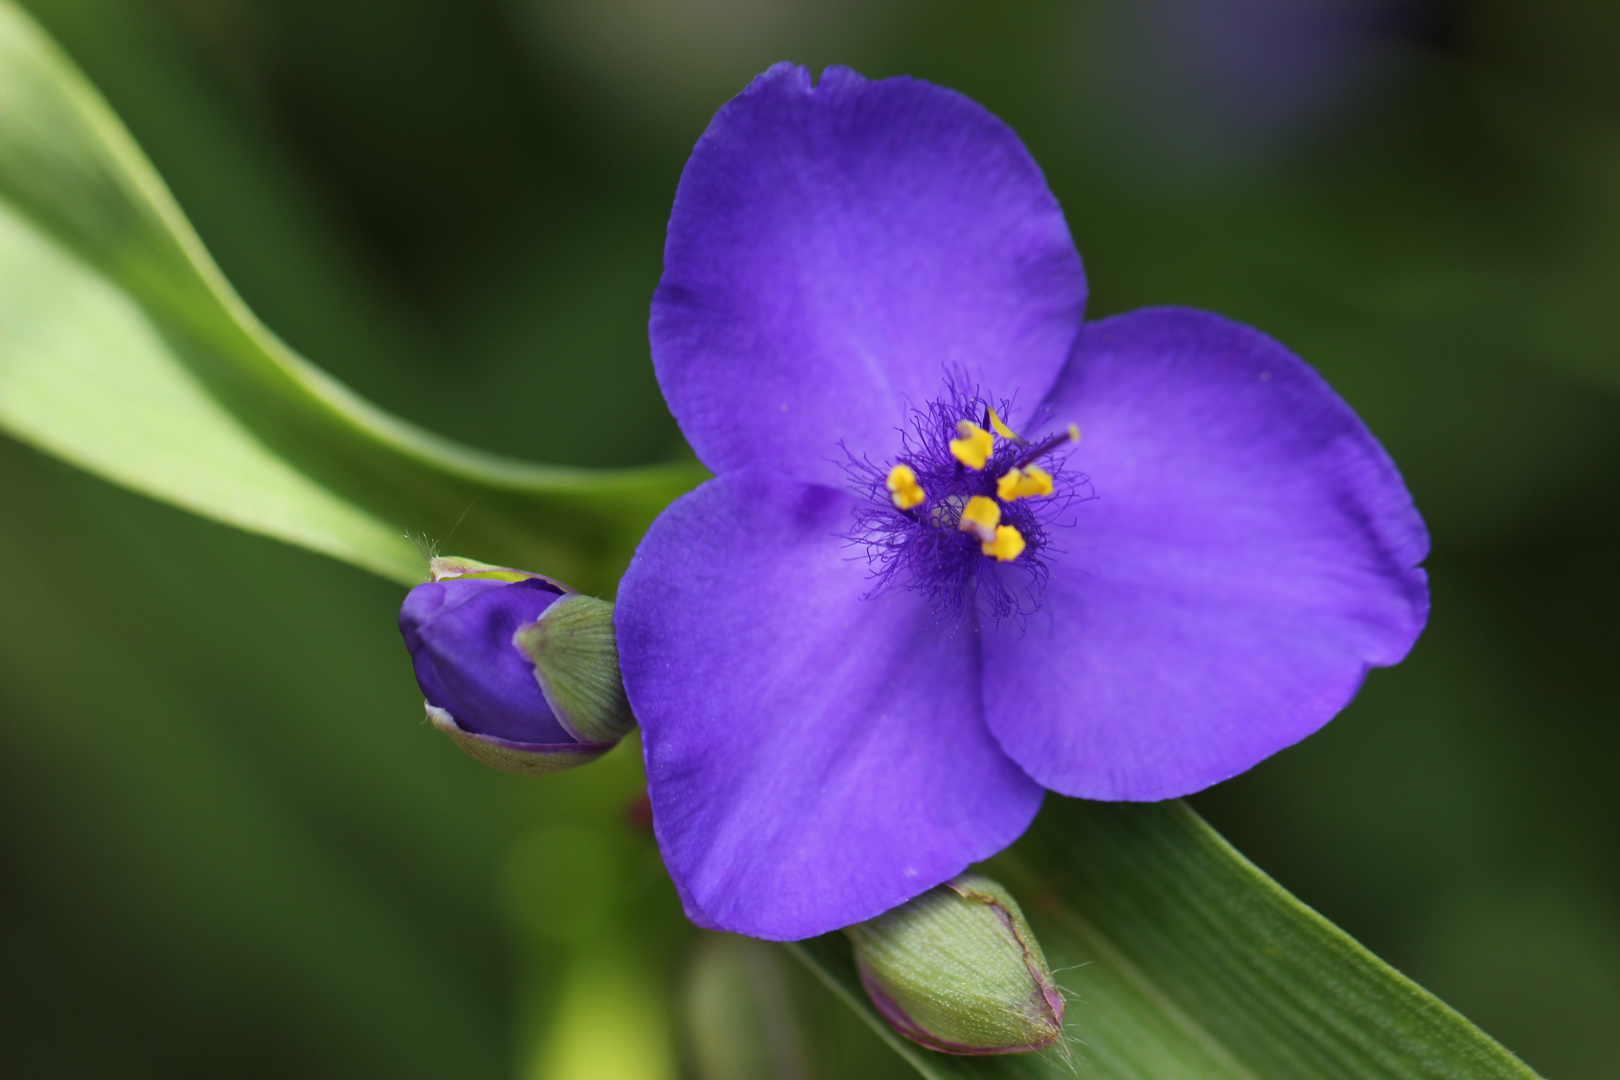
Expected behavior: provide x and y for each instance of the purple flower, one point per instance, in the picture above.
(851, 683)
(485, 644)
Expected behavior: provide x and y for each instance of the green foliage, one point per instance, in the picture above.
(127, 353)
(1182, 960)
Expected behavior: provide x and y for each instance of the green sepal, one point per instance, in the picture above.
(576, 660)
(523, 759)
(445, 567)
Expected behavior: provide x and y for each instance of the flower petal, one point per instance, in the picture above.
(834, 250)
(814, 757)
(1250, 553)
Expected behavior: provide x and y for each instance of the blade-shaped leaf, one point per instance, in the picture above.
(124, 350)
(1181, 959)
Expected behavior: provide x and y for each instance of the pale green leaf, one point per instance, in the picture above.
(124, 350)
(1182, 961)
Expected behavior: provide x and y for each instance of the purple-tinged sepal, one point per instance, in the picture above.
(520, 671)
(521, 759)
(958, 970)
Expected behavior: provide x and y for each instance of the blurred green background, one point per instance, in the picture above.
(228, 847)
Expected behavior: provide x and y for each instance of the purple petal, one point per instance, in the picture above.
(1251, 552)
(459, 633)
(814, 758)
(833, 251)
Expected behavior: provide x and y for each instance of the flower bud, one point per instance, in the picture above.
(519, 670)
(957, 969)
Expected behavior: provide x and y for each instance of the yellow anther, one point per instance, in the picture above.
(1074, 433)
(1007, 546)
(1002, 429)
(903, 487)
(1024, 483)
(974, 447)
(980, 517)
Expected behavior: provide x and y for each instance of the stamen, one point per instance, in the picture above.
(1003, 430)
(981, 516)
(973, 449)
(960, 512)
(1007, 545)
(903, 487)
(1024, 483)
(1047, 445)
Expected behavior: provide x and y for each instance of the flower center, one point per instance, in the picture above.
(965, 510)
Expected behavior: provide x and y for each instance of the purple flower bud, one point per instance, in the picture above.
(519, 670)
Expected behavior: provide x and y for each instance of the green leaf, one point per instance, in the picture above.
(124, 351)
(1181, 959)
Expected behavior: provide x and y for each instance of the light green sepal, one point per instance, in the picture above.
(445, 567)
(576, 660)
(523, 759)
